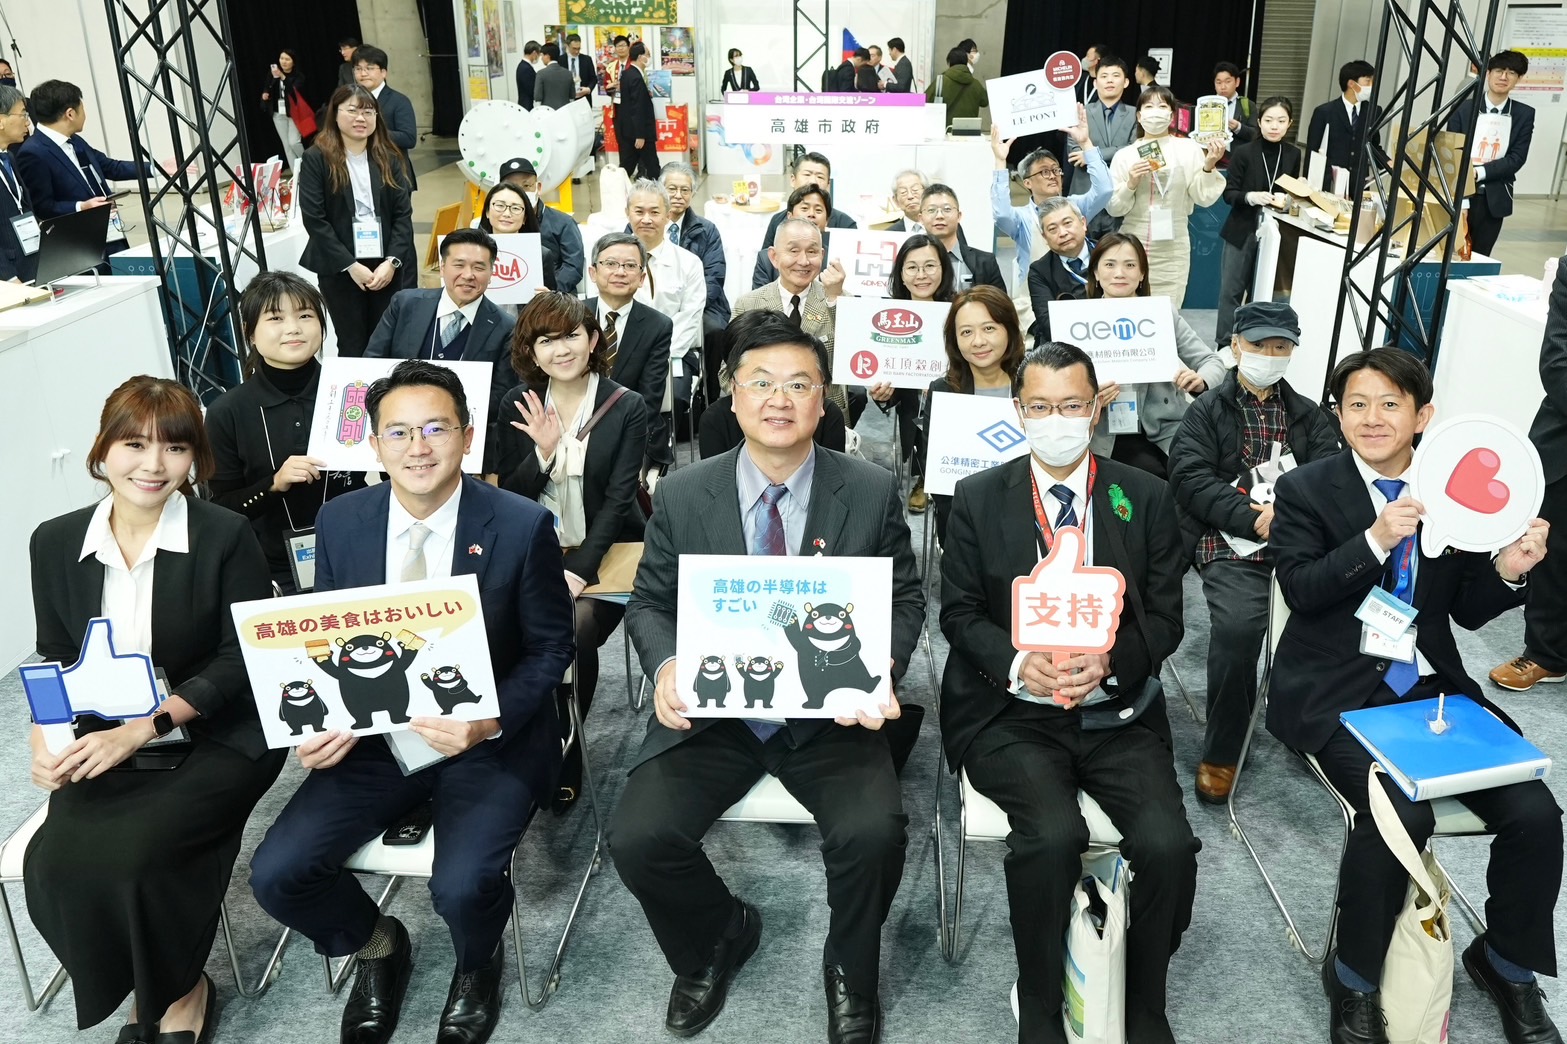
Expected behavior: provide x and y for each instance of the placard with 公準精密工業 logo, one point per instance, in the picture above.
(969, 434)
(879, 341)
(1130, 339)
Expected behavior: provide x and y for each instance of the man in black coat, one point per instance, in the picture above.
(636, 129)
(902, 68)
(942, 218)
(1031, 732)
(18, 259)
(1344, 525)
(1495, 168)
(528, 73)
(640, 359)
(580, 65)
(397, 112)
(1061, 273)
(1340, 125)
(1253, 419)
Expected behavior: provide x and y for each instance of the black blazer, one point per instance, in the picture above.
(13, 263)
(1325, 566)
(254, 428)
(397, 112)
(1249, 171)
(983, 266)
(585, 69)
(634, 114)
(329, 219)
(746, 81)
(719, 429)
(193, 637)
(990, 542)
(1500, 174)
(1332, 119)
(527, 79)
(609, 474)
(902, 77)
(1049, 280)
(1549, 431)
(287, 86)
(856, 509)
(642, 358)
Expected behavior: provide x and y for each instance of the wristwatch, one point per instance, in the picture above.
(162, 724)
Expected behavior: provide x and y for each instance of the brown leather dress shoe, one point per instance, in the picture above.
(1214, 783)
(1523, 674)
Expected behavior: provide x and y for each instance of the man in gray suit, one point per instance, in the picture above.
(902, 68)
(776, 494)
(1112, 122)
(553, 86)
(454, 323)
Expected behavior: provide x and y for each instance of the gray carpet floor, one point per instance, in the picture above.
(1236, 977)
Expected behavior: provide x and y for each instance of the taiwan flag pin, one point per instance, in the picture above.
(475, 549)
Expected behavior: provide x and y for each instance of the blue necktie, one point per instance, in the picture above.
(1401, 676)
(769, 540)
(1066, 516)
(674, 234)
(1078, 268)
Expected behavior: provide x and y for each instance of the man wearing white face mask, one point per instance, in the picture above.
(1032, 732)
(1250, 421)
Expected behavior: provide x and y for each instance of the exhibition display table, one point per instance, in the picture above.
(1488, 360)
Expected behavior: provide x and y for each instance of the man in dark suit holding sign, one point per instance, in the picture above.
(429, 521)
(776, 494)
(1032, 732)
(1343, 526)
(1495, 169)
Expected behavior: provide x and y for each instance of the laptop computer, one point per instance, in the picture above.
(71, 244)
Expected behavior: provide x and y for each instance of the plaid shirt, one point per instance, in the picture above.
(1262, 424)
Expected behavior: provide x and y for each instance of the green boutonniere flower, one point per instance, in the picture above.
(1120, 504)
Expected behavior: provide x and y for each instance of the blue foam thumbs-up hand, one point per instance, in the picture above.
(103, 682)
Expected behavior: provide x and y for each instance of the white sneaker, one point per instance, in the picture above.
(1015, 1016)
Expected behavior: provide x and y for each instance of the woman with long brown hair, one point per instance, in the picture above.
(509, 210)
(354, 193)
(125, 877)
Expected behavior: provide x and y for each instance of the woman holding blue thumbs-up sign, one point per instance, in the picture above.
(125, 877)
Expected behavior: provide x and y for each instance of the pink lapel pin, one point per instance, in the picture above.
(475, 549)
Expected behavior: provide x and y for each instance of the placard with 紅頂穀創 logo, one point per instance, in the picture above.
(900, 343)
(867, 256)
(518, 272)
(969, 434)
(1130, 339)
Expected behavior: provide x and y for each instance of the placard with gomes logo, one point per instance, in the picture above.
(969, 434)
(867, 256)
(519, 268)
(897, 342)
(1131, 339)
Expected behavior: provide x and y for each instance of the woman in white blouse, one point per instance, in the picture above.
(1159, 180)
(575, 445)
(125, 877)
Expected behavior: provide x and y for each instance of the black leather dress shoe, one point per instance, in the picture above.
(852, 1018)
(376, 1000)
(209, 1021)
(695, 1001)
(1353, 1017)
(473, 1004)
(1522, 1005)
(137, 1033)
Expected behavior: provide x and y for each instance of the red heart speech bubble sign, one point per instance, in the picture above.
(1474, 484)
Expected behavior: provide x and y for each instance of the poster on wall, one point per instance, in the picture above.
(470, 17)
(1538, 33)
(604, 53)
(661, 83)
(478, 83)
(594, 12)
(510, 11)
(558, 33)
(677, 50)
(493, 55)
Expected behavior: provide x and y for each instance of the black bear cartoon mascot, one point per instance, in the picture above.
(302, 707)
(712, 682)
(370, 672)
(758, 673)
(450, 688)
(829, 652)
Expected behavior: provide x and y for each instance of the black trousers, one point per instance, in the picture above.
(1237, 596)
(597, 619)
(906, 402)
(355, 312)
(1237, 270)
(1138, 451)
(1484, 227)
(1545, 613)
(844, 776)
(1032, 760)
(1524, 875)
(480, 808)
(639, 163)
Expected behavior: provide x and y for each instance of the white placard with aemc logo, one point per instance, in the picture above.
(519, 268)
(898, 342)
(1131, 339)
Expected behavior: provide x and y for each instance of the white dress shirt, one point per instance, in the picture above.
(786, 302)
(442, 524)
(679, 291)
(127, 588)
(359, 179)
(621, 315)
(63, 143)
(448, 306)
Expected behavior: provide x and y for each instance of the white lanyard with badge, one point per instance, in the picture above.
(367, 238)
(100, 187)
(1273, 177)
(1387, 622)
(25, 224)
(1161, 219)
(299, 544)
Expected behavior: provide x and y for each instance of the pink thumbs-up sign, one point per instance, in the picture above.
(1067, 609)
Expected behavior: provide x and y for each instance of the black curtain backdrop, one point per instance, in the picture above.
(1201, 33)
(311, 29)
(447, 81)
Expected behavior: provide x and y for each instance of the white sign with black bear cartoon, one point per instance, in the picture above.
(367, 660)
(783, 637)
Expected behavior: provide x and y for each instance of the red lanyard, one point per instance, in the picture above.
(1047, 534)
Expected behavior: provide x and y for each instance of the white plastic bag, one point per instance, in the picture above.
(1093, 988)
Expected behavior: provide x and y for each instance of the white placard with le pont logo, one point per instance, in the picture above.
(969, 434)
(519, 268)
(900, 343)
(1131, 339)
(1027, 103)
(867, 256)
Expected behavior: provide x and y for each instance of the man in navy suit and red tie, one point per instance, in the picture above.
(1343, 525)
(429, 521)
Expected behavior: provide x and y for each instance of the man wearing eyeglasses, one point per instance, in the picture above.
(942, 218)
(1032, 729)
(428, 521)
(637, 334)
(1041, 175)
(558, 230)
(775, 494)
(397, 112)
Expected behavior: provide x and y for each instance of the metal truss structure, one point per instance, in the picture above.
(175, 70)
(1419, 196)
(811, 43)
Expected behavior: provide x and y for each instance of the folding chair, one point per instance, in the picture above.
(1453, 818)
(12, 851)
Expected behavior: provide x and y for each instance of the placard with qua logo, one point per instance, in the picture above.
(900, 343)
(1131, 339)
